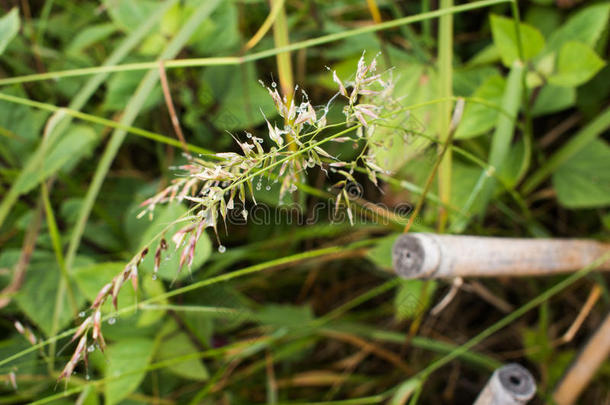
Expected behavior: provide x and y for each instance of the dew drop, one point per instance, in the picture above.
(274, 85)
(248, 135)
(111, 321)
(154, 277)
(222, 249)
(82, 314)
(268, 188)
(91, 348)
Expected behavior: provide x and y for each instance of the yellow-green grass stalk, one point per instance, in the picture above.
(134, 105)
(81, 98)
(445, 72)
(281, 39)
(237, 60)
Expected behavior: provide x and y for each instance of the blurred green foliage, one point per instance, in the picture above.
(530, 158)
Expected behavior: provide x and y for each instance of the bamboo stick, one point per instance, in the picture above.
(584, 367)
(511, 384)
(427, 255)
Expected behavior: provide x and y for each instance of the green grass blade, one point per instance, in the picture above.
(64, 281)
(103, 121)
(507, 320)
(445, 72)
(256, 268)
(78, 102)
(234, 60)
(576, 143)
(134, 106)
(503, 135)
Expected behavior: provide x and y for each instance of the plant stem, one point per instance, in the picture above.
(284, 63)
(131, 112)
(77, 103)
(236, 60)
(445, 71)
(544, 297)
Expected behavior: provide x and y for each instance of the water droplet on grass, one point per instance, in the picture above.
(222, 249)
(82, 314)
(111, 321)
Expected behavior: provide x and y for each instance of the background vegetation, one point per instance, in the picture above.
(293, 313)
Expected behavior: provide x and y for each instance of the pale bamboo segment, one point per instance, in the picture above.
(427, 255)
(585, 366)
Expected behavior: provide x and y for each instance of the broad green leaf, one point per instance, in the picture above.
(77, 143)
(585, 26)
(480, 118)
(201, 325)
(223, 23)
(153, 288)
(89, 36)
(551, 99)
(399, 140)
(592, 95)
(92, 278)
(505, 39)
(381, 254)
(121, 87)
(129, 14)
(351, 47)
(243, 101)
(488, 55)
(9, 27)
(29, 363)
(546, 19)
(219, 296)
(583, 181)
(467, 80)
(412, 298)
(285, 316)
(178, 345)
(36, 298)
(127, 361)
(576, 64)
(166, 216)
(464, 180)
(20, 127)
